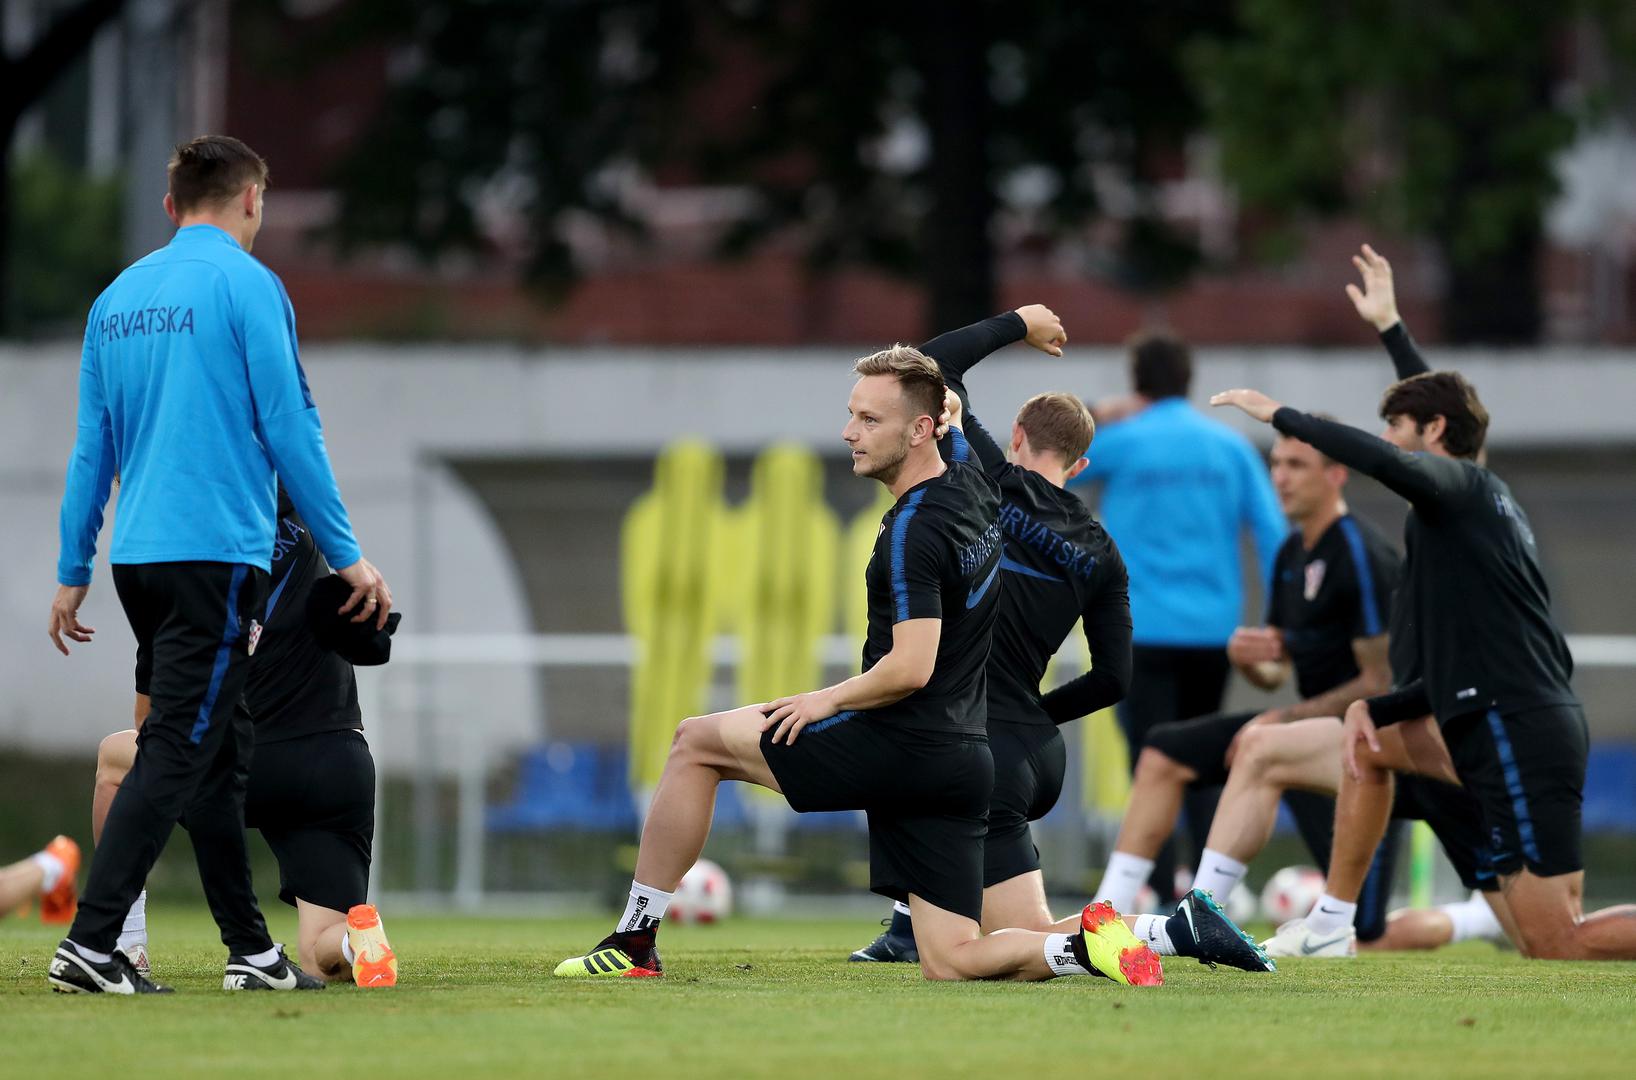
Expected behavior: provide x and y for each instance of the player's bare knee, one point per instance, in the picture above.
(1155, 766)
(115, 755)
(937, 969)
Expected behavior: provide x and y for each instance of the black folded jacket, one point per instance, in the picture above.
(357, 642)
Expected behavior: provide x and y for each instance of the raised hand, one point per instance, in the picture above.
(1045, 330)
(1377, 300)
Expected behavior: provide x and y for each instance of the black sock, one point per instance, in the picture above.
(1076, 942)
(635, 941)
(902, 925)
(1181, 935)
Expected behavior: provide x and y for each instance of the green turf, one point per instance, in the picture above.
(777, 999)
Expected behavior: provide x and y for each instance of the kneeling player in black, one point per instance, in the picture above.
(1331, 590)
(1059, 567)
(311, 788)
(1493, 667)
(904, 741)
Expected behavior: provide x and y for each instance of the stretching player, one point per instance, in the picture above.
(1331, 588)
(312, 780)
(49, 874)
(905, 740)
(1060, 568)
(1493, 670)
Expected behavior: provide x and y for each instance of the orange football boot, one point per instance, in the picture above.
(60, 904)
(374, 963)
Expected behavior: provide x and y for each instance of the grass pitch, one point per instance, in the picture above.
(777, 999)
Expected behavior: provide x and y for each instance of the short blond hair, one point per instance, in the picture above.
(1057, 422)
(917, 373)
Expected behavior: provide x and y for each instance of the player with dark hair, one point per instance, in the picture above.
(311, 790)
(191, 389)
(1326, 618)
(906, 740)
(1178, 491)
(1491, 667)
(1059, 568)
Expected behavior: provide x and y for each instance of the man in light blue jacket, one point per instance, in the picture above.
(192, 396)
(1178, 491)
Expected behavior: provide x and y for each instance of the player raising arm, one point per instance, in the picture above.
(1494, 668)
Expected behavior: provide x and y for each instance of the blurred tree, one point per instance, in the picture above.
(886, 134)
(75, 218)
(1428, 117)
(25, 76)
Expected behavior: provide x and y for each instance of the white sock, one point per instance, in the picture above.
(1151, 929)
(262, 959)
(645, 908)
(1218, 874)
(94, 957)
(1059, 955)
(1473, 920)
(1329, 915)
(135, 931)
(1123, 879)
(346, 950)
(900, 907)
(51, 869)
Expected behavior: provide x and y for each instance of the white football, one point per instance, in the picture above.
(1290, 893)
(704, 896)
(1241, 905)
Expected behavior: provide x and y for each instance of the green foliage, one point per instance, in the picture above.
(551, 104)
(65, 244)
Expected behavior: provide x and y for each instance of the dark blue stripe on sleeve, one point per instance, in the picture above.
(900, 536)
(1366, 576)
(960, 449)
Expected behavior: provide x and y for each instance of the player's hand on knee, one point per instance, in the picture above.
(788, 715)
(370, 593)
(1358, 727)
(65, 619)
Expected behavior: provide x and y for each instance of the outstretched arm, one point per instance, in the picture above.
(958, 351)
(1376, 303)
(1423, 479)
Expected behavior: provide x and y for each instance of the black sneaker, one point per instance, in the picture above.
(72, 973)
(894, 946)
(281, 974)
(1215, 939)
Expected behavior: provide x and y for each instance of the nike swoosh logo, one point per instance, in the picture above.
(977, 594)
(1008, 563)
(1308, 949)
(1328, 911)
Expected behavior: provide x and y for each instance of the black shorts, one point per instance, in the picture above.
(1527, 771)
(1200, 744)
(1030, 762)
(313, 799)
(926, 794)
(1456, 820)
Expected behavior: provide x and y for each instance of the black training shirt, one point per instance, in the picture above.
(937, 556)
(1059, 566)
(1326, 598)
(296, 686)
(1474, 599)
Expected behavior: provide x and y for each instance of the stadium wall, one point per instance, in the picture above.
(406, 424)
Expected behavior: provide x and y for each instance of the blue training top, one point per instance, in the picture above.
(1178, 491)
(191, 391)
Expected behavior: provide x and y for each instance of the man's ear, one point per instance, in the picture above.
(1076, 468)
(248, 202)
(1433, 430)
(170, 210)
(1018, 437)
